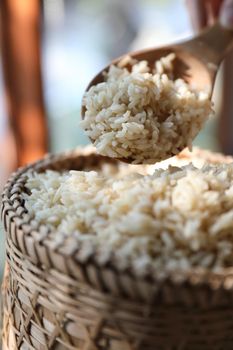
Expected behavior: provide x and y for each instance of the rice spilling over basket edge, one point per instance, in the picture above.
(177, 218)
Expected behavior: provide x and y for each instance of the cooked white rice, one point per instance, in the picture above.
(141, 116)
(172, 220)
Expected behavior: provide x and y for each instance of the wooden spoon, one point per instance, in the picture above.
(197, 60)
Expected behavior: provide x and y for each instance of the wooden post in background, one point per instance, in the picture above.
(225, 127)
(20, 42)
(202, 15)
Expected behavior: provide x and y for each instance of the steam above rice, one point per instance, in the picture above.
(175, 219)
(142, 116)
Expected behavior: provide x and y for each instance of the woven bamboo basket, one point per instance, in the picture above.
(57, 295)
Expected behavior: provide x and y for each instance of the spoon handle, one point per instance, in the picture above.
(212, 45)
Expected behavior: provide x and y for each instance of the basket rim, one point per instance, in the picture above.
(16, 220)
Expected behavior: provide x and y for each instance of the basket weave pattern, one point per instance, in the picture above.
(57, 297)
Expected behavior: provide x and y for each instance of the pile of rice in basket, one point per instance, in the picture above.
(175, 219)
(143, 116)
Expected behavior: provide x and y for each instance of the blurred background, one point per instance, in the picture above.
(51, 49)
